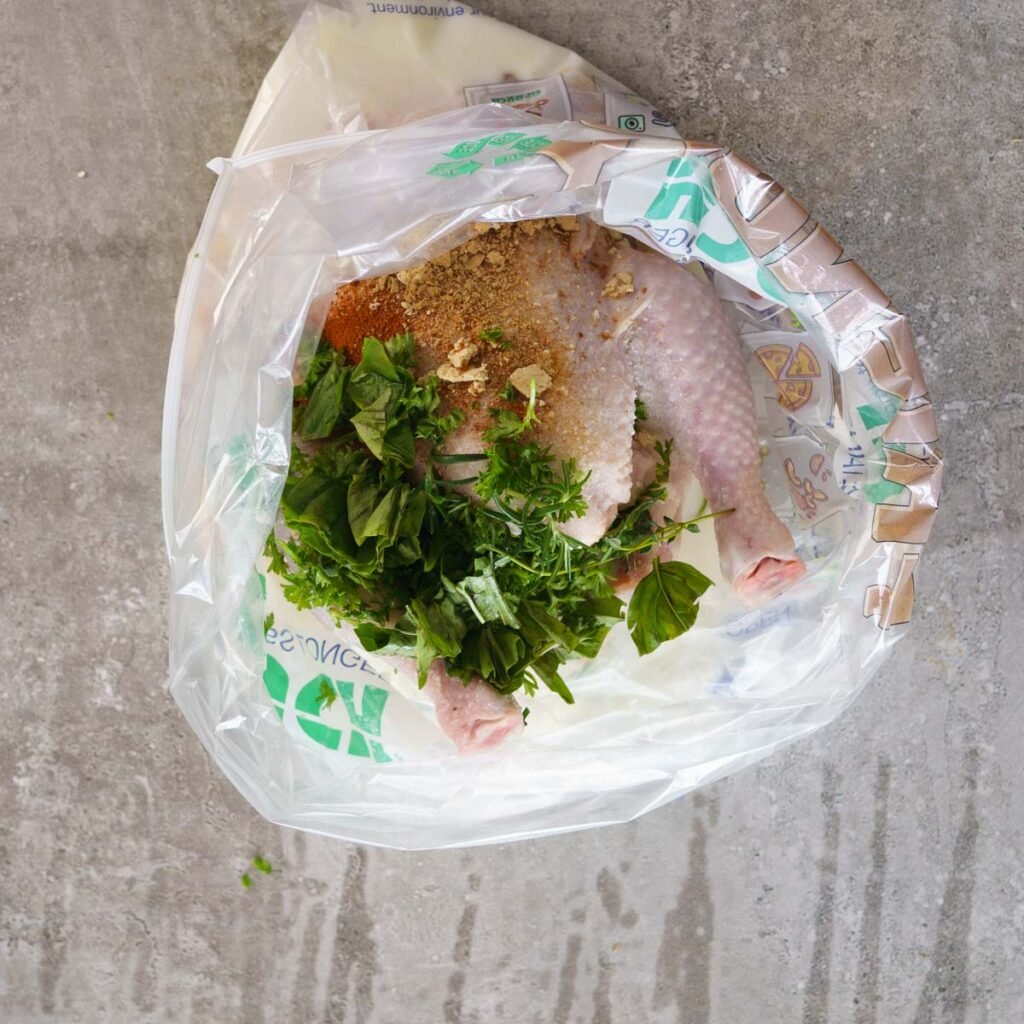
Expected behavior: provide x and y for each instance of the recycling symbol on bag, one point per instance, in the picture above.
(518, 146)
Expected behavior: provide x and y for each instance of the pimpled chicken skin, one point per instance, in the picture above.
(687, 364)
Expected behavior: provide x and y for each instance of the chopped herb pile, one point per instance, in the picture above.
(488, 583)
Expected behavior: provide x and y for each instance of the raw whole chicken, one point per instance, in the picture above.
(592, 322)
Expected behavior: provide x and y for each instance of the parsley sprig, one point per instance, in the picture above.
(487, 582)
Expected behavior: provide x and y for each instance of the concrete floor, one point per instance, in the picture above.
(872, 874)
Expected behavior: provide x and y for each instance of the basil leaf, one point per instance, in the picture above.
(543, 630)
(546, 670)
(607, 610)
(316, 368)
(484, 598)
(374, 375)
(591, 641)
(494, 653)
(372, 423)
(401, 348)
(399, 445)
(362, 498)
(404, 541)
(299, 492)
(381, 640)
(439, 632)
(412, 515)
(324, 408)
(383, 520)
(664, 604)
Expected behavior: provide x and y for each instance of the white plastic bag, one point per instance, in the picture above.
(846, 426)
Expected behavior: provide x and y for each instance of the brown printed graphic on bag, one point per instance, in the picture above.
(893, 366)
(913, 426)
(893, 605)
(815, 265)
(921, 479)
(582, 161)
(763, 212)
(766, 216)
(892, 363)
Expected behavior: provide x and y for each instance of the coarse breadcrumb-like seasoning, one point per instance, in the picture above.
(471, 310)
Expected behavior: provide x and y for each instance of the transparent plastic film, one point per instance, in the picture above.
(847, 433)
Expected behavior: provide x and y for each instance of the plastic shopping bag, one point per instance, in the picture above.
(356, 162)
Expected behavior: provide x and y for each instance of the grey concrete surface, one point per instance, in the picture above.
(871, 875)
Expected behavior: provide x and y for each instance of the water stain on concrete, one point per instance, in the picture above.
(610, 891)
(302, 1007)
(868, 992)
(567, 980)
(54, 954)
(710, 802)
(609, 888)
(157, 924)
(603, 991)
(460, 957)
(143, 975)
(819, 979)
(683, 972)
(946, 985)
(355, 961)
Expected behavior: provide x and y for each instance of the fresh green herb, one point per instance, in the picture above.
(268, 623)
(639, 411)
(488, 583)
(246, 880)
(495, 336)
(326, 695)
(324, 406)
(664, 604)
(321, 362)
(261, 864)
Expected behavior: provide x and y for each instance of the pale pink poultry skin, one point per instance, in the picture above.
(689, 369)
(473, 715)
